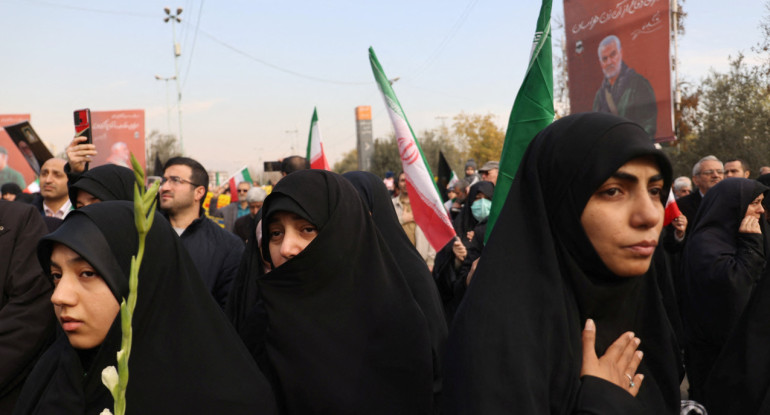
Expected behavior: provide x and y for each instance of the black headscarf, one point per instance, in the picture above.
(107, 182)
(720, 267)
(376, 197)
(515, 344)
(345, 334)
(244, 308)
(739, 381)
(185, 357)
(465, 222)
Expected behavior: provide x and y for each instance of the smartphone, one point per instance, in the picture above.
(83, 124)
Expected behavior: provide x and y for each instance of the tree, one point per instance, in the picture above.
(732, 113)
(474, 136)
(164, 146)
(348, 163)
(483, 139)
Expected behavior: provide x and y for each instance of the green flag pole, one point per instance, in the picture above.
(532, 111)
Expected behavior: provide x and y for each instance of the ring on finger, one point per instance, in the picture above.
(631, 383)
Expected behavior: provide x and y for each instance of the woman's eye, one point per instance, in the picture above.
(613, 191)
(88, 274)
(656, 191)
(275, 234)
(309, 229)
(56, 276)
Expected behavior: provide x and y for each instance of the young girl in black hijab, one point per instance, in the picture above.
(345, 334)
(100, 184)
(722, 262)
(185, 356)
(565, 277)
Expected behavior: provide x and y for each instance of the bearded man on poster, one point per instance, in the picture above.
(624, 91)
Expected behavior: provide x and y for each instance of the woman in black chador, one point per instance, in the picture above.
(185, 356)
(722, 262)
(345, 334)
(377, 199)
(564, 291)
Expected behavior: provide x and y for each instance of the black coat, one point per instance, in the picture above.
(26, 314)
(216, 254)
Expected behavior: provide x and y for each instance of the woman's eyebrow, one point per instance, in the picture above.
(621, 175)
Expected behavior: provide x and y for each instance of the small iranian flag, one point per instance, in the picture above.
(315, 147)
(33, 187)
(429, 212)
(242, 176)
(672, 209)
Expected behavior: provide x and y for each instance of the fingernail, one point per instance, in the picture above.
(590, 325)
(640, 354)
(641, 377)
(637, 341)
(630, 334)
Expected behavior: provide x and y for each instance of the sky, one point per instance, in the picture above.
(251, 71)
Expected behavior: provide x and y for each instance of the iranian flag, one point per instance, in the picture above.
(242, 176)
(672, 209)
(315, 147)
(429, 212)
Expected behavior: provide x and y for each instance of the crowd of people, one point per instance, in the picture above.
(325, 296)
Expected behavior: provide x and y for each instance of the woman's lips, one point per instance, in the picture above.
(70, 324)
(645, 248)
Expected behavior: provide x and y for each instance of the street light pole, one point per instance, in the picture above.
(168, 104)
(174, 18)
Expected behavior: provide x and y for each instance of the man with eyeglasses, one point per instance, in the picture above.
(236, 210)
(215, 252)
(706, 173)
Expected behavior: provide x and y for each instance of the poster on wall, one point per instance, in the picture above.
(117, 134)
(619, 61)
(14, 166)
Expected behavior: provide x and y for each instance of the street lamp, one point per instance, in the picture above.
(168, 103)
(174, 19)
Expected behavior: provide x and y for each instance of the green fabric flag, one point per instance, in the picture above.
(532, 111)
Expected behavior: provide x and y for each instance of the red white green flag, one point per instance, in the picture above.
(315, 147)
(429, 212)
(242, 176)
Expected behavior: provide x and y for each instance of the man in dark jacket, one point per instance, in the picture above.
(26, 314)
(215, 252)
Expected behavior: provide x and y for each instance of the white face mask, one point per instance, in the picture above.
(480, 209)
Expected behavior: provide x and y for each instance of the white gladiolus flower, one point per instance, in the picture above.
(110, 379)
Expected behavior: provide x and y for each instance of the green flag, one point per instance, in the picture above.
(532, 111)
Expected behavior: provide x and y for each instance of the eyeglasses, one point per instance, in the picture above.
(243, 190)
(176, 181)
(710, 172)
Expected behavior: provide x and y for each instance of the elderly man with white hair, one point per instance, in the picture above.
(244, 226)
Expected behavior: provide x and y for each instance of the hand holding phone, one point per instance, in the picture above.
(82, 129)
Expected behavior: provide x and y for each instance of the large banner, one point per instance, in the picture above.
(16, 161)
(116, 135)
(619, 60)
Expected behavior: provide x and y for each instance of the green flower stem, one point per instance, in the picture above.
(144, 203)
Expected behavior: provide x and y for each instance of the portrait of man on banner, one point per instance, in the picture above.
(619, 61)
(624, 91)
